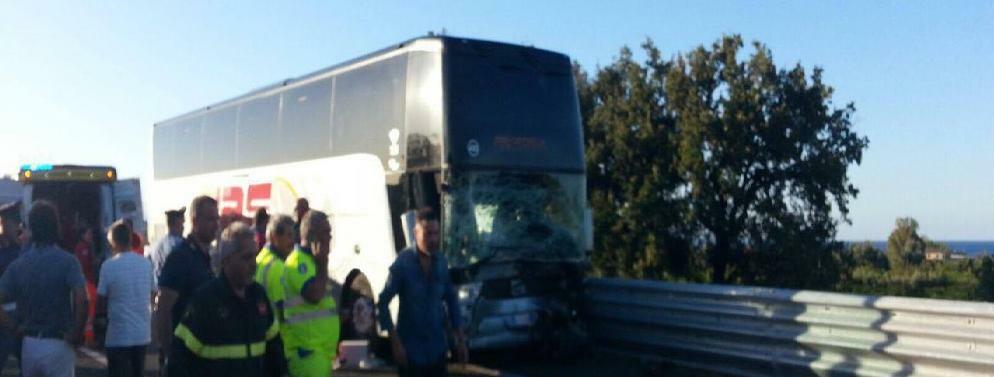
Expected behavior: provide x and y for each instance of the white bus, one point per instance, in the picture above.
(487, 133)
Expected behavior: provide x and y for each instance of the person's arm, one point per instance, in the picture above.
(80, 303)
(101, 305)
(455, 315)
(152, 285)
(316, 287)
(6, 325)
(183, 360)
(171, 282)
(6, 287)
(163, 317)
(100, 320)
(275, 360)
(390, 290)
(276, 290)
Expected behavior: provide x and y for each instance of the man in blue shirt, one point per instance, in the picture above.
(174, 222)
(48, 286)
(420, 276)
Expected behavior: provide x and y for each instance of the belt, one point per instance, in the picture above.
(44, 334)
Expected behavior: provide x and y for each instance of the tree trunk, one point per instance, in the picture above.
(719, 259)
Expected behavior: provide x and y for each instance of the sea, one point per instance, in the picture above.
(970, 248)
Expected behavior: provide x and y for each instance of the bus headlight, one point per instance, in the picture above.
(468, 295)
(469, 292)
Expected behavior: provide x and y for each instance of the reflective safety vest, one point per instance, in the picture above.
(269, 274)
(307, 327)
(223, 335)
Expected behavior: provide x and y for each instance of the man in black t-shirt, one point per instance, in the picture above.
(186, 269)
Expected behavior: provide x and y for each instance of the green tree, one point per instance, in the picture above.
(865, 254)
(631, 173)
(762, 154)
(904, 246)
(985, 277)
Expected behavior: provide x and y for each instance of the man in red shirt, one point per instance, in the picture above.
(84, 253)
(137, 245)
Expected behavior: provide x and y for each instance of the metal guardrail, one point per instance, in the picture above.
(750, 331)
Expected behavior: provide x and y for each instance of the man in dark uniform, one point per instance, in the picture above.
(229, 328)
(10, 249)
(186, 269)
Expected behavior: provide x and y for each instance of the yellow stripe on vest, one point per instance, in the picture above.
(273, 331)
(298, 300)
(229, 351)
(310, 316)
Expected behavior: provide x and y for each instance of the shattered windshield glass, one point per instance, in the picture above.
(502, 216)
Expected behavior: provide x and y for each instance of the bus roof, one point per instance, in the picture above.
(325, 71)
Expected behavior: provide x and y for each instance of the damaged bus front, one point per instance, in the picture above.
(516, 227)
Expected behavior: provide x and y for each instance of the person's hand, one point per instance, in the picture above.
(399, 353)
(321, 253)
(462, 351)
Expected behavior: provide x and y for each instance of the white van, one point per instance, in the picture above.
(86, 196)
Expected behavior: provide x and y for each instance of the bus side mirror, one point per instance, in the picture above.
(588, 230)
(407, 221)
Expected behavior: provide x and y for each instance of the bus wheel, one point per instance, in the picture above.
(358, 310)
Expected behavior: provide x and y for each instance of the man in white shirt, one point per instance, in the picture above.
(126, 286)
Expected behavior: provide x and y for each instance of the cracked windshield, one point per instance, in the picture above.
(495, 217)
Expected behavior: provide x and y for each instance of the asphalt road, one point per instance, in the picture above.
(91, 363)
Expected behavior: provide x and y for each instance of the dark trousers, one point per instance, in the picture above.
(126, 361)
(9, 346)
(438, 369)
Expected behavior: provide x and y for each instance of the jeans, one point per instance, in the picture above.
(47, 357)
(126, 361)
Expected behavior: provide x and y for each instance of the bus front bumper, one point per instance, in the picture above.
(519, 322)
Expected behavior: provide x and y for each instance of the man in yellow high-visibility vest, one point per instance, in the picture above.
(311, 326)
(280, 235)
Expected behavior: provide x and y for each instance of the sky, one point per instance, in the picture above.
(83, 82)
